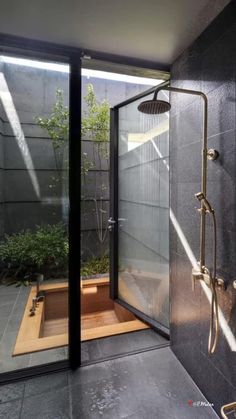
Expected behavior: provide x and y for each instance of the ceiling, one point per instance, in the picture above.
(152, 30)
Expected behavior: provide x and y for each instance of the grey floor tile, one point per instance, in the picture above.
(44, 357)
(46, 383)
(7, 361)
(149, 385)
(50, 405)
(11, 392)
(10, 410)
(99, 349)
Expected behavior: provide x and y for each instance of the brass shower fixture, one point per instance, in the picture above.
(156, 106)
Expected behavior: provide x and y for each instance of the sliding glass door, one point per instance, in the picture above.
(34, 211)
(139, 224)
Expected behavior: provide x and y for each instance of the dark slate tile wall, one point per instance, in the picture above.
(208, 65)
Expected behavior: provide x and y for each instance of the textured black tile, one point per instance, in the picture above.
(214, 72)
(221, 110)
(181, 272)
(10, 410)
(185, 220)
(223, 364)
(216, 388)
(221, 181)
(218, 62)
(190, 122)
(50, 405)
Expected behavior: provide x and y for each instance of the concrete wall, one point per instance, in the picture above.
(208, 65)
(97, 181)
(1, 167)
(30, 195)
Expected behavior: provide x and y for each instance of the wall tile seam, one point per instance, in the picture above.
(176, 147)
(194, 142)
(185, 107)
(220, 373)
(220, 229)
(145, 204)
(27, 137)
(212, 91)
(145, 163)
(221, 133)
(146, 246)
(53, 169)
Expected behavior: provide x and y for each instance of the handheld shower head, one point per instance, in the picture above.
(201, 197)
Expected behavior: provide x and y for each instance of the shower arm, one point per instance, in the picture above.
(206, 154)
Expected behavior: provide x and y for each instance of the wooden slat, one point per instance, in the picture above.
(55, 327)
(95, 281)
(41, 344)
(110, 330)
(97, 319)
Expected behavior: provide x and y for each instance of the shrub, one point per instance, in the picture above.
(95, 266)
(41, 251)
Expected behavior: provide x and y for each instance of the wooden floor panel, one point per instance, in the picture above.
(55, 327)
(99, 318)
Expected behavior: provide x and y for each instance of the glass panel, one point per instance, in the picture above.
(34, 212)
(144, 211)
(100, 91)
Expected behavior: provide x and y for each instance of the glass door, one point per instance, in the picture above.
(139, 213)
(34, 208)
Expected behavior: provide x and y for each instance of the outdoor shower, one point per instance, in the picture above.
(156, 106)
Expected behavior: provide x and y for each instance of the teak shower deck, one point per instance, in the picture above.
(100, 317)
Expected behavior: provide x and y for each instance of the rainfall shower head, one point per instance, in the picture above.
(154, 106)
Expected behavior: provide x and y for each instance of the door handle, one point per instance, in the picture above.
(111, 223)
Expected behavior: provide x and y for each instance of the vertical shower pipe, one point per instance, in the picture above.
(204, 166)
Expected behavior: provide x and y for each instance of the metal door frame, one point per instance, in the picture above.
(114, 194)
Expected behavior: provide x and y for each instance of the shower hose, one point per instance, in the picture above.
(214, 322)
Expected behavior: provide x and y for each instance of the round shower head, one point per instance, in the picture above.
(154, 106)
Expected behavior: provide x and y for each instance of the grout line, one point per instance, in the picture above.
(192, 380)
(70, 396)
(124, 355)
(217, 369)
(22, 401)
(10, 315)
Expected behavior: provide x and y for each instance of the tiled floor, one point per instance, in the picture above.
(149, 385)
(120, 345)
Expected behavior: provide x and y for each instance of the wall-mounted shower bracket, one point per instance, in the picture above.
(212, 154)
(197, 275)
